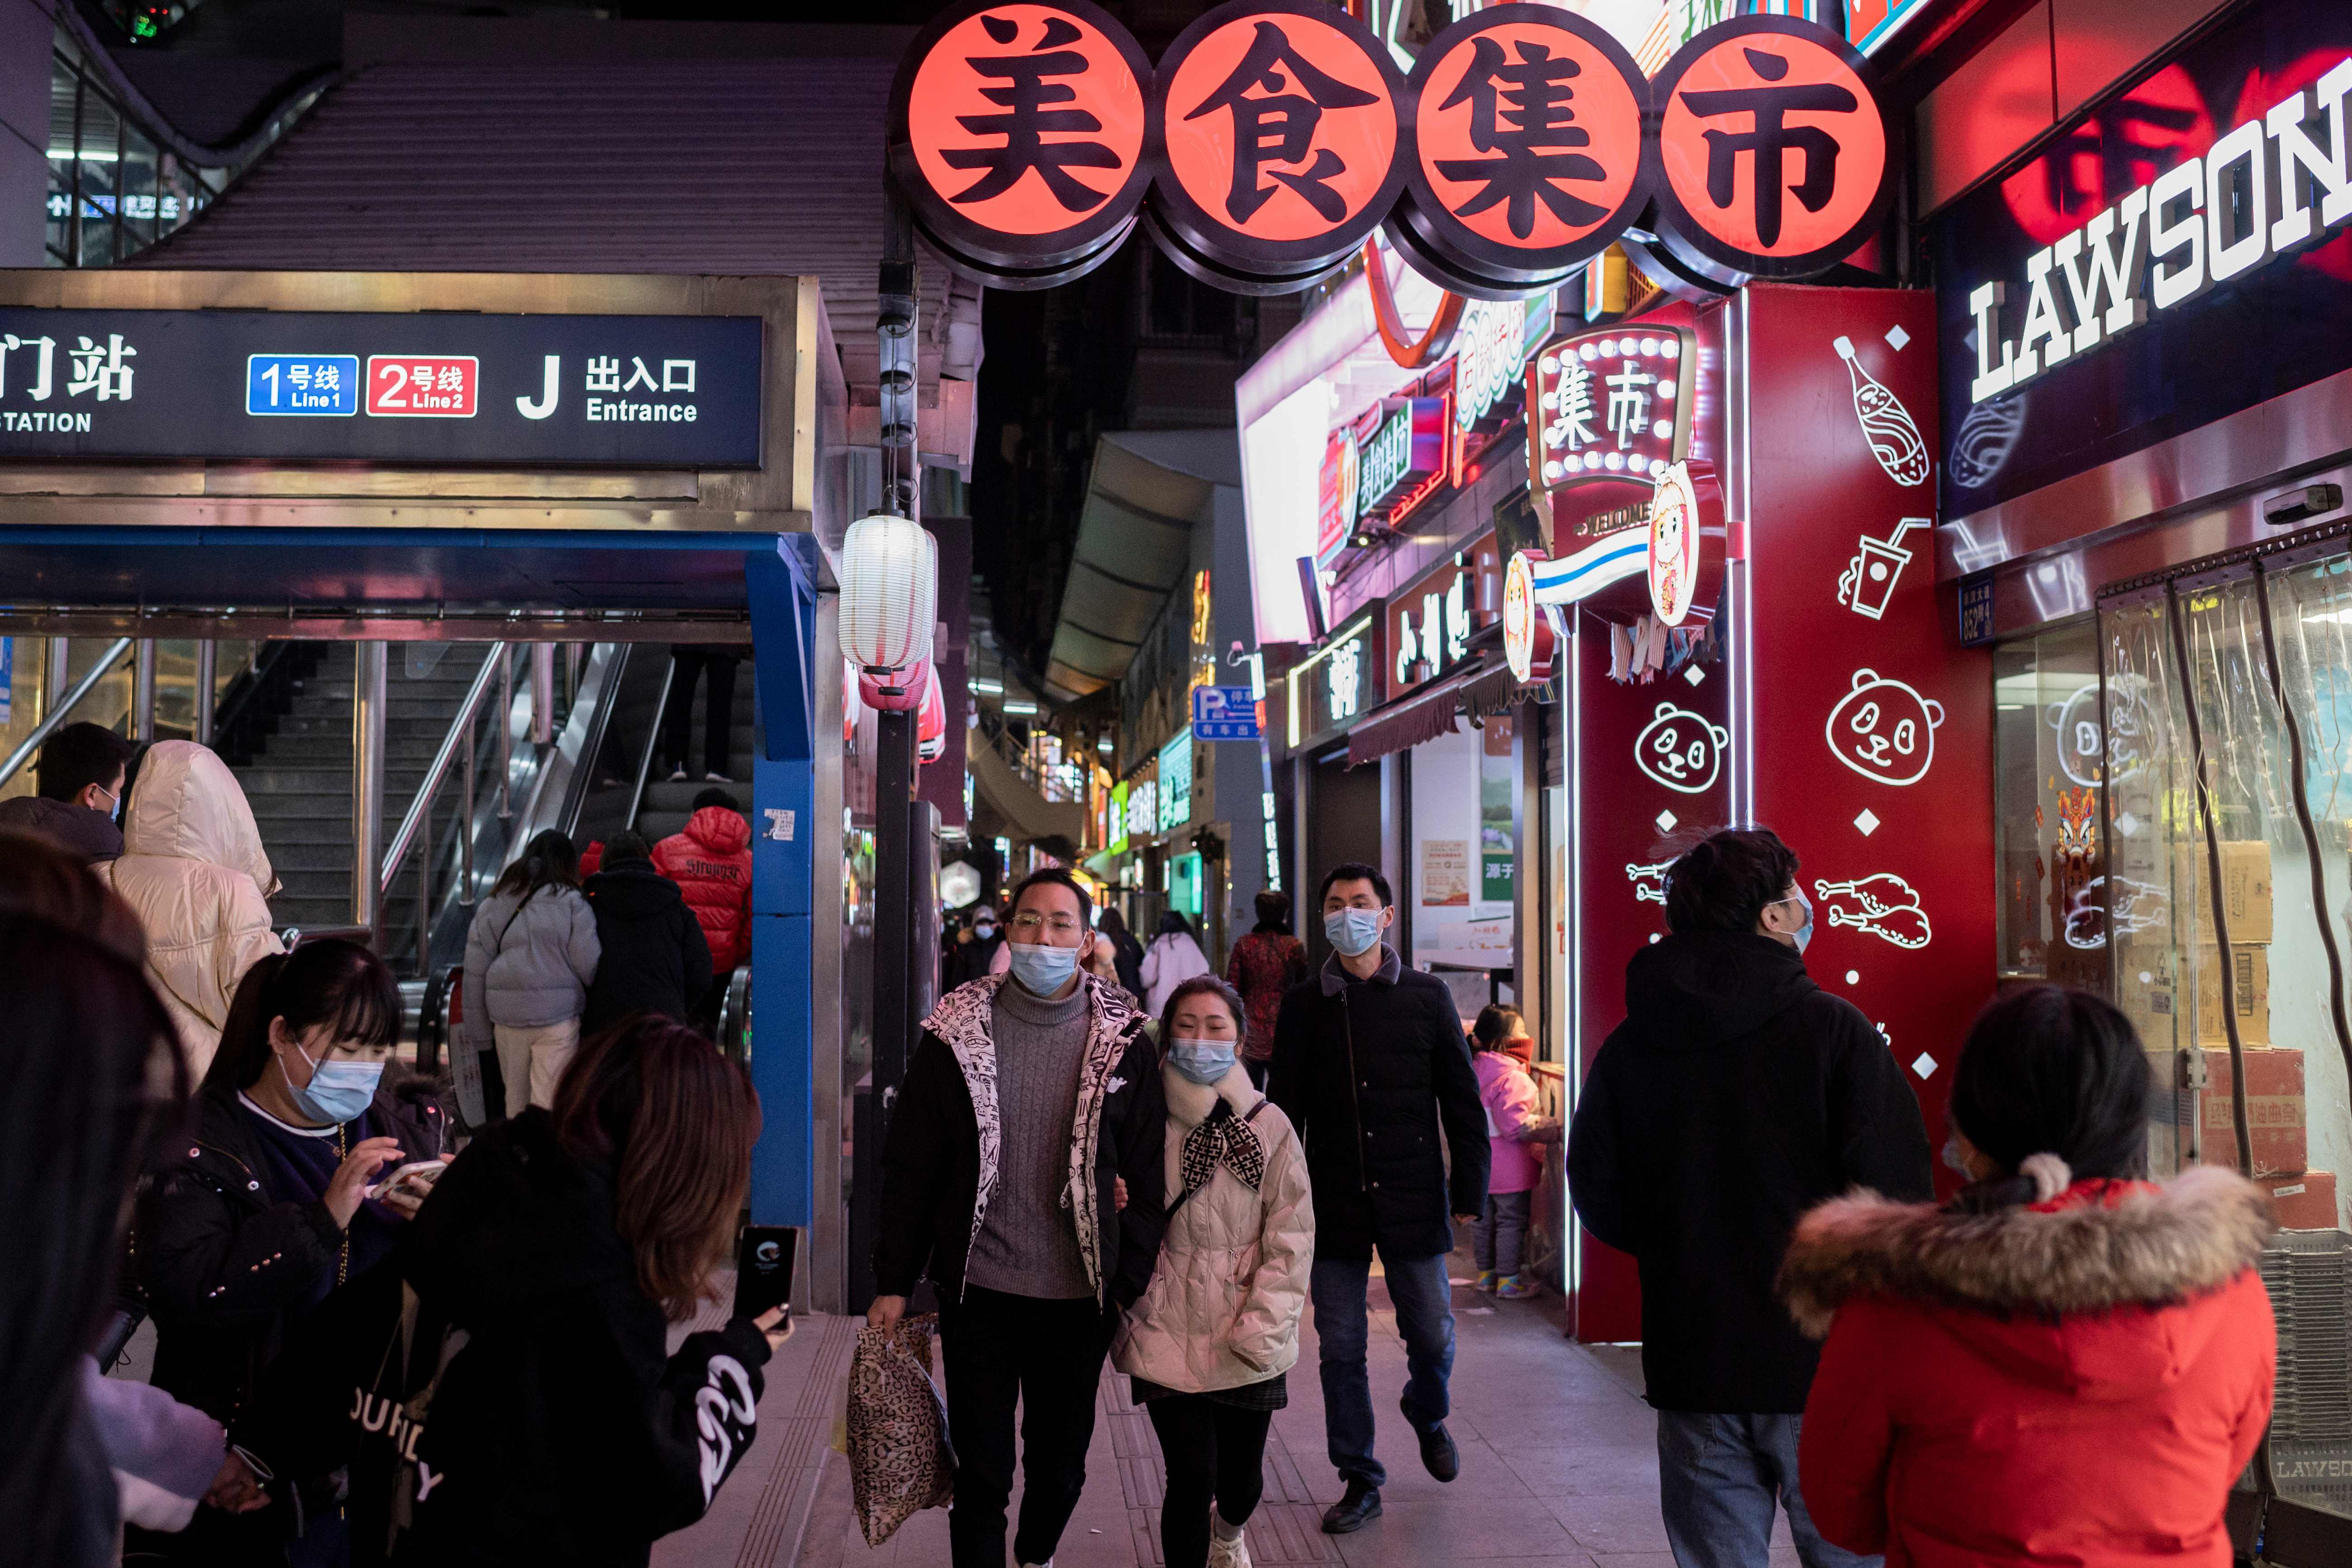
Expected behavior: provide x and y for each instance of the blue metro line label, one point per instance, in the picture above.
(321, 385)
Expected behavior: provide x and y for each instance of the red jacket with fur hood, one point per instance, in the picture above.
(711, 862)
(2078, 1381)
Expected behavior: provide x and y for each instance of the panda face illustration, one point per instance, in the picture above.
(1680, 750)
(1883, 730)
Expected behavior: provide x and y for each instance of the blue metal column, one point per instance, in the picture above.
(783, 623)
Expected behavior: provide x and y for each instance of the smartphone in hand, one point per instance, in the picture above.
(763, 1269)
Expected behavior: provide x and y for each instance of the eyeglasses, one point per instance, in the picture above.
(1032, 922)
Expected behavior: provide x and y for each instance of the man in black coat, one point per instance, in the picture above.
(1736, 1095)
(1030, 1097)
(1370, 1062)
(655, 958)
(81, 792)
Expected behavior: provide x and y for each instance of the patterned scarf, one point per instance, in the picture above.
(1221, 1139)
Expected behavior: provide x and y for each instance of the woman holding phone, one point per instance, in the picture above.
(517, 1400)
(1209, 1346)
(272, 1200)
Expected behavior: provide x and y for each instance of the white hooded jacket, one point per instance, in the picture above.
(193, 870)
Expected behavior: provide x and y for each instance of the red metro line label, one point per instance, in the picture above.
(413, 386)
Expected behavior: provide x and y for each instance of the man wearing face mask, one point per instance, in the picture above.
(1735, 1095)
(81, 801)
(1371, 1064)
(1030, 1097)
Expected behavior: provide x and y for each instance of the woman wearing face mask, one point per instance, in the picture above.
(272, 1200)
(1210, 1344)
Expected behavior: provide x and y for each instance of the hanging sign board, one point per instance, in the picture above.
(1277, 135)
(1530, 642)
(448, 390)
(1609, 406)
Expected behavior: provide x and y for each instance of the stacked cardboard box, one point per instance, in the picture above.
(2275, 1111)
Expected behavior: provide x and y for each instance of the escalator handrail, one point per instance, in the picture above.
(653, 738)
(412, 821)
(48, 726)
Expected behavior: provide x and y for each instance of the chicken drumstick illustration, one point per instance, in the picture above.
(1883, 905)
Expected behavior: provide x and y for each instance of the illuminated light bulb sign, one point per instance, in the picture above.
(1609, 406)
(1276, 136)
(2168, 242)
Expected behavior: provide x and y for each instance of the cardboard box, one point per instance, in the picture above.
(2307, 1201)
(2245, 889)
(2275, 1111)
(2249, 977)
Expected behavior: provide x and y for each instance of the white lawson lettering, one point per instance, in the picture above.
(2264, 188)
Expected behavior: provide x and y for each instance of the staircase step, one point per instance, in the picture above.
(288, 855)
(657, 826)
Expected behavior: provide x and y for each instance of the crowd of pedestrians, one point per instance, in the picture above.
(378, 1342)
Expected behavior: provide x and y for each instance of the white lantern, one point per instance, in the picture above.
(889, 594)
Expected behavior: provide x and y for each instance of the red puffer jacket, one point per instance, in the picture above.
(712, 864)
(2079, 1381)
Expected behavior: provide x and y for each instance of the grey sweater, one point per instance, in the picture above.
(528, 961)
(1028, 1244)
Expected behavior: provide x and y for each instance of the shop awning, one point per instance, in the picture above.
(1481, 693)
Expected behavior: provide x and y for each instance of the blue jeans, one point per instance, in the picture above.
(1424, 1313)
(1719, 1478)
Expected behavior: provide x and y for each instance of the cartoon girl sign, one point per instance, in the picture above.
(1673, 543)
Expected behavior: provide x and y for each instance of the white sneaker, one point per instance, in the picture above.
(677, 775)
(1233, 1553)
(722, 778)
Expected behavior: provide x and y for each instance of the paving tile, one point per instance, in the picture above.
(1585, 1468)
(1608, 1522)
(1411, 1533)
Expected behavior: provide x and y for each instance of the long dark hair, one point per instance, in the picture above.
(91, 1082)
(1173, 923)
(549, 861)
(1200, 985)
(330, 982)
(2047, 1070)
(1112, 926)
(1273, 911)
(676, 1119)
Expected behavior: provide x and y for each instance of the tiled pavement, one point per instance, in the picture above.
(1558, 1466)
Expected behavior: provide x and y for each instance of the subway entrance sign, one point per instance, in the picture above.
(430, 388)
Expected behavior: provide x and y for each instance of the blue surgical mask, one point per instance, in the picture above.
(984, 929)
(1042, 969)
(1353, 931)
(1202, 1061)
(338, 1091)
(1804, 934)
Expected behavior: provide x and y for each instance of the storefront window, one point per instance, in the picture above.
(2049, 768)
(2267, 689)
(1465, 806)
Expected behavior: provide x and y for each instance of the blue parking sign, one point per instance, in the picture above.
(1223, 713)
(324, 385)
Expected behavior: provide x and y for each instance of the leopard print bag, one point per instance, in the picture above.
(900, 1461)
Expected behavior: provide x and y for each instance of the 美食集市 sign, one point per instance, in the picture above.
(428, 390)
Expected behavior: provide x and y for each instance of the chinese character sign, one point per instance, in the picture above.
(1609, 406)
(1771, 157)
(1024, 121)
(1277, 133)
(1528, 131)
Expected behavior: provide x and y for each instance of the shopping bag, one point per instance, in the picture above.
(900, 1461)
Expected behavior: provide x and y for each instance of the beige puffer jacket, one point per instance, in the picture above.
(1224, 1304)
(193, 870)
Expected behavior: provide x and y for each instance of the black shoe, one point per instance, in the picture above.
(1352, 1512)
(1439, 1455)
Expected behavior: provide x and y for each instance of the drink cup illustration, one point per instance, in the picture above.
(1871, 573)
(1887, 425)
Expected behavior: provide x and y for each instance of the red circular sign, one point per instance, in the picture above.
(1528, 141)
(1276, 136)
(1017, 133)
(1772, 159)
(2158, 123)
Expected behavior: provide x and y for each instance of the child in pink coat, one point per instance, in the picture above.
(1515, 1132)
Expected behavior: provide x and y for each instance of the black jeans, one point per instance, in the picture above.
(1048, 1356)
(1213, 1451)
(687, 665)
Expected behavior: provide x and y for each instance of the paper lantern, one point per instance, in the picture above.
(889, 594)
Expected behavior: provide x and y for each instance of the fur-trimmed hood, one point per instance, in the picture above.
(2028, 1275)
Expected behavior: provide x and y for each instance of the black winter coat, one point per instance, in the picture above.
(1736, 1095)
(220, 1264)
(655, 958)
(1369, 1074)
(561, 1430)
(930, 1157)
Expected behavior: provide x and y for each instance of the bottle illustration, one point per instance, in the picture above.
(1887, 425)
